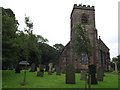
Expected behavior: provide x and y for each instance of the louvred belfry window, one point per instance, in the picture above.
(84, 19)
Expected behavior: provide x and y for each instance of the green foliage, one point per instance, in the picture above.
(41, 39)
(9, 28)
(58, 47)
(82, 43)
(49, 54)
(115, 59)
(19, 45)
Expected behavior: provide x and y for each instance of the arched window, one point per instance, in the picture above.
(84, 19)
(84, 59)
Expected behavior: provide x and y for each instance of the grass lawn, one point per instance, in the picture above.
(12, 80)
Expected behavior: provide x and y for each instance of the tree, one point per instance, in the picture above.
(58, 47)
(28, 45)
(49, 54)
(82, 44)
(9, 28)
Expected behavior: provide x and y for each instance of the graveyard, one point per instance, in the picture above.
(29, 61)
(13, 80)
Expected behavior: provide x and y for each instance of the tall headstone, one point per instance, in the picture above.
(18, 69)
(116, 68)
(50, 68)
(33, 67)
(100, 73)
(70, 74)
(58, 72)
(83, 75)
(53, 70)
(92, 72)
(41, 72)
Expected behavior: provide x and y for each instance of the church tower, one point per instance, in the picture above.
(85, 15)
(100, 56)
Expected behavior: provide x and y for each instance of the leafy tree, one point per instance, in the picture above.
(82, 44)
(41, 39)
(58, 47)
(49, 54)
(9, 28)
(28, 46)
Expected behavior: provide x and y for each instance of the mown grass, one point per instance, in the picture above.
(12, 80)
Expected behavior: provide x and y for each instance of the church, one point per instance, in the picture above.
(100, 56)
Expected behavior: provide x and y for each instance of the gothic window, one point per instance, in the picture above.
(103, 57)
(84, 19)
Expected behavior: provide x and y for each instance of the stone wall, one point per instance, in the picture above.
(98, 45)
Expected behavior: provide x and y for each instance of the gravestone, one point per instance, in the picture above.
(109, 68)
(70, 74)
(50, 68)
(100, 74)
(58, 72)
(17, 69)
(92, 72)
(53, 70)
(33, 68)
(47, 68)
(83, 75)
(42, 67)
(41, 74)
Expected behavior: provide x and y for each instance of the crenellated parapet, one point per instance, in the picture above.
(84, 7)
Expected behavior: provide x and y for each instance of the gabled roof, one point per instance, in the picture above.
(103, 43)
(24, 63)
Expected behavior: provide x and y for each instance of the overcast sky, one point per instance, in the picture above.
(51, 18)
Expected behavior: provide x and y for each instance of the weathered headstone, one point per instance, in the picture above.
(109, 68)
(83, 75)
(41, 74)
(100, 74)
(92, 72)
(42, 67)
(53, 70)
(50, 69)
(33, 67)
(70, 74)
(58, 72)
(116, 68)
(17, 69)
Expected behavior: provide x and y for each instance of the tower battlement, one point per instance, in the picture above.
(84, 7)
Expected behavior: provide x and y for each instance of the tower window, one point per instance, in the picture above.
(84, 19)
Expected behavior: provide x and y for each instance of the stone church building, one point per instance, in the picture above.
(100, 56)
